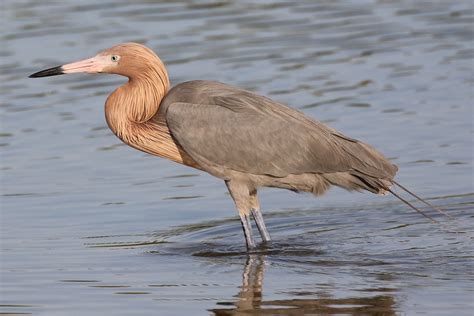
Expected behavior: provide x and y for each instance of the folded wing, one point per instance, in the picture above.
(242, 131)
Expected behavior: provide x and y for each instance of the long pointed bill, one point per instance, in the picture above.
(91, 65)
(48, 72)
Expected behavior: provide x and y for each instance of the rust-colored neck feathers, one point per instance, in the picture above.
(130, 108)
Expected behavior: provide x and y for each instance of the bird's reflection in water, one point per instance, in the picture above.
(250, 295)
(250, 299)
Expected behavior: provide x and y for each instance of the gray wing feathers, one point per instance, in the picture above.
(245, 132)
(244, 141)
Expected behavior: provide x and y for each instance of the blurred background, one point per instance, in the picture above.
(91, 226)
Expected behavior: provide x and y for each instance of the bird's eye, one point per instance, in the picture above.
(114, 58)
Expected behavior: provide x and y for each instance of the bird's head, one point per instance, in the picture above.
(128, 59)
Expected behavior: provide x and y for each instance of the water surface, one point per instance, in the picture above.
(92, 227)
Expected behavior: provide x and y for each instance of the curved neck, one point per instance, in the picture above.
(132, 114)
(138, 100)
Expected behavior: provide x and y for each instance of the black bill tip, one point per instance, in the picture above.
(48, 72)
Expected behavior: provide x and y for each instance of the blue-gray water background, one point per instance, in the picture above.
(92, 227)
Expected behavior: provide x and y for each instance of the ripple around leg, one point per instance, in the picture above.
(329, 236)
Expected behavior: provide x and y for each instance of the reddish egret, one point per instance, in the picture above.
(245, 139)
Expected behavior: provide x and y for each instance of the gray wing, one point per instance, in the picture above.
(246, 132)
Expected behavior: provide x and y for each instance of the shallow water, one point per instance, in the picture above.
(92, 227)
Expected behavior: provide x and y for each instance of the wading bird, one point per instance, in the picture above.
(245, 139)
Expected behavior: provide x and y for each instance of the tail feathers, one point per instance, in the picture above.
(413, 207)
(355, 180)
(420, 199)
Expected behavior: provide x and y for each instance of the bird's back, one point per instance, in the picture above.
(226, 128)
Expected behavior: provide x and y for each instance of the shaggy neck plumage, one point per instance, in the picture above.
(132, 114)
(137, 101)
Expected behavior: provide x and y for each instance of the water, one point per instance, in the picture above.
(92, 227)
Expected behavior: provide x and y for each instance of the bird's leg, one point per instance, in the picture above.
(247, 226)
(257, 216)
(241, 196)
